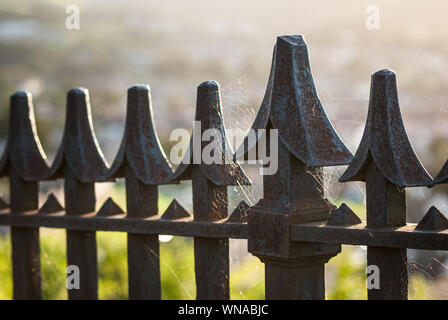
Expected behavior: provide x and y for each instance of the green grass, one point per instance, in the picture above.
(176, 268)
(345, 274)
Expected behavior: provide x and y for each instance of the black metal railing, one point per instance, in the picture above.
(293, 229)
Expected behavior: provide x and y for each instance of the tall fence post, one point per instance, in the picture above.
(142, 162)
(387, 163)
(295, 193)
(81, 163)
(25, 163)
(210, 181)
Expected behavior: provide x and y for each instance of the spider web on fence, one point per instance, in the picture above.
(240, 110)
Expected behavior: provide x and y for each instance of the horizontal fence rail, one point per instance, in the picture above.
(294, 230)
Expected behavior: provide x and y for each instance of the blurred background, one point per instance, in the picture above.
(175, 45)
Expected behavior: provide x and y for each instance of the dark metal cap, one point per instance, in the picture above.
(292, 106)
(79, 150)
(52, 205)
(23, 150)
(343, 216)
(140, 146)
(175, 211)
(385, 141)
(209, 114)
(433, 220)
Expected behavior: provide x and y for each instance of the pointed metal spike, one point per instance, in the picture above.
(3, 204)
(23, 150)
(209, 116)
(343, 216)
(79, 149)
(239, 215)
(110, 208)
(140, 146)
(52, 205)
(442, 176)
(385, 141)
(175, 211)
(433, 220)
(208, 105)
(291, 105)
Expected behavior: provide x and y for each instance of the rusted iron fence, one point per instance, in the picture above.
(293, 229)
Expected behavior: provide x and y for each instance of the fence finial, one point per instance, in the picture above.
(209, 115)
(143, 164)
(24, 162)
(292, 106)
(23, 150)
(442, 176)
(209, 185)
(140, 147)
(385, 141)
(79, 149)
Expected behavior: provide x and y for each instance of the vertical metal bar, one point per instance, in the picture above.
(25, 163)
(294, 181)
(211, 255)
(210, 181)
(81, 245)
(306, 283)
(386, 207)
(143, 250)
(296, 276)
(385, 160)
(294, 194)
(25, 241)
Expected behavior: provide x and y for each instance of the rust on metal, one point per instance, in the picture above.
(343, 216)
(175, 211)
(239, 215)
(140, 148)
(209, 114)
(387, 163)
(291, 105)
(52, 205)
(110, 208)
(433, 220)
(153, 226)
(143, 164)
(294, 194)
(293, 229)
(79, 150)
(24, 162)
(81, 163)
(23, 150)
(360, 235)
(385, 141)
(210, 199)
